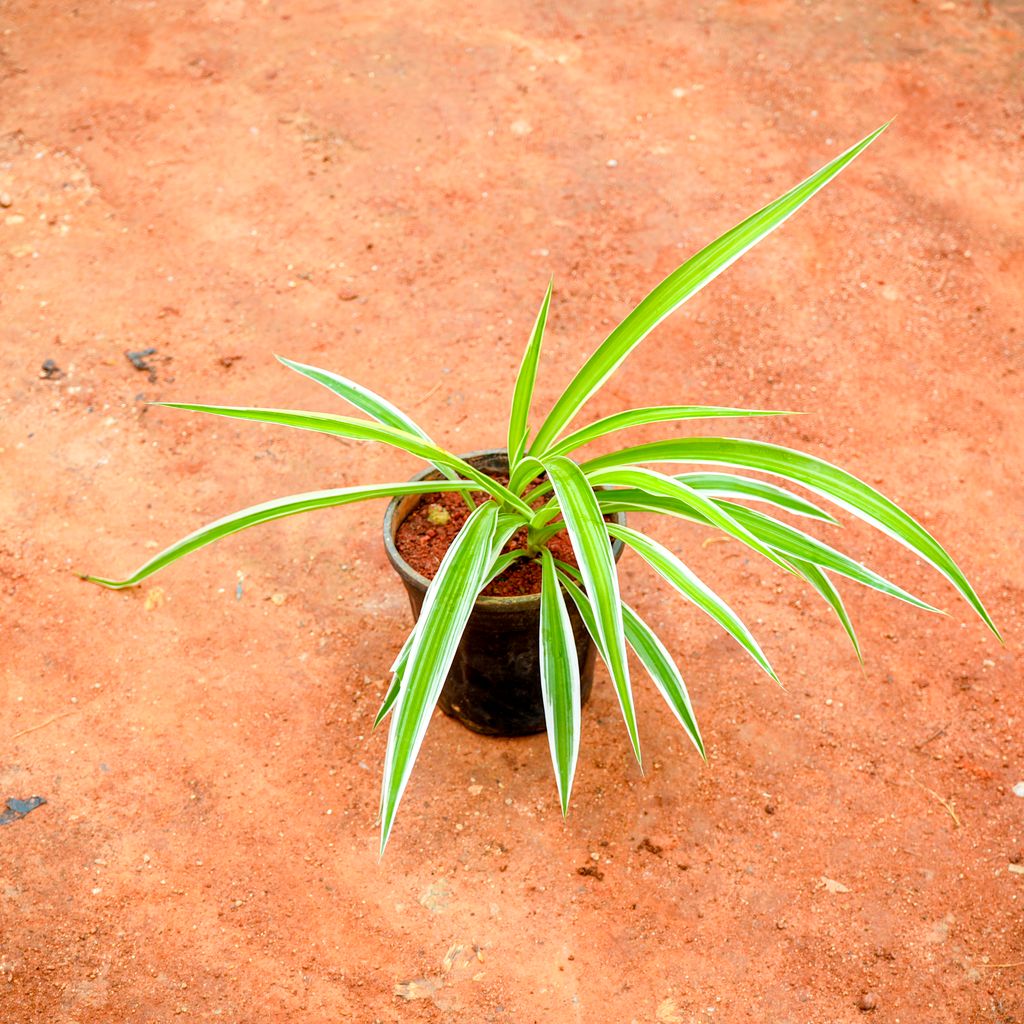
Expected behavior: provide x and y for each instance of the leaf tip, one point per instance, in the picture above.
(103, 582)
(385, 835)
(993, 629)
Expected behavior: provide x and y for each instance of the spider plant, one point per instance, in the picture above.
(575, 495)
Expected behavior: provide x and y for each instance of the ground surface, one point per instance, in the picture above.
(385, 190)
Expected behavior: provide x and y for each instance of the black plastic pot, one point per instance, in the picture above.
(493, 686)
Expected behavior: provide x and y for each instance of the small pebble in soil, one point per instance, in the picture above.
(769, 808)
(50, 370)
(5, 200)
(17, 809)
(140, 361)
(437, 515)
(867, 1002)
(1018, 789)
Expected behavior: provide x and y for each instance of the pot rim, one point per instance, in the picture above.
(421, 582)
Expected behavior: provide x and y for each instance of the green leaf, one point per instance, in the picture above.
(398, 671)
(664, 673)
(518, 423)
(361, 430)
(588, 533)
(726, 485)
(793, 543)
(526, 469)
(651, 414)
(823, 585)
(446, 609)
(276, 509)
(508, 523)
(366, 400)
(673, 489)
(501, 563)
(821, 477)
(361, 397)
(505, 526)
(402, 658)
(570, 576)
(389, 699)
(787, 541)
(687, 583)
(559, 680)
(653, 656)
(677, 288)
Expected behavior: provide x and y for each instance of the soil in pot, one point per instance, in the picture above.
(429, 529)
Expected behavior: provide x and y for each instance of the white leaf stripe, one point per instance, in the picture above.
(785, 539)
(682, 283)
(365, 400)
(824, 586)
(559, 680)
(682, 577)
(589, 536)
(268, 511)
(389, 699)
(518, 425)
(347, 426)
(652, 654)
(674, 489)
(821, 477)
(729, 485)
(651, 414)
(795, 544)
(359, 396)
(446, 609)
(663, 672)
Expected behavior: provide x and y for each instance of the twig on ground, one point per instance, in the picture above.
(42, 725)
(949, 805)
(429, 394)
(941, 731)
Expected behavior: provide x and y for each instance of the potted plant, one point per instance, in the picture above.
(539, 494)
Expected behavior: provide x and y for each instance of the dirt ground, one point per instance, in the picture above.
(384, 189)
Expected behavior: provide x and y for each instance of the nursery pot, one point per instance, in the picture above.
(493, 686)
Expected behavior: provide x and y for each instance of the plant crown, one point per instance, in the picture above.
(575, 496)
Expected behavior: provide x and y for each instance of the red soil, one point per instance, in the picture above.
(384, 190)
(422, 542)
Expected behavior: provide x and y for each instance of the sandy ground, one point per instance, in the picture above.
(384, 189)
